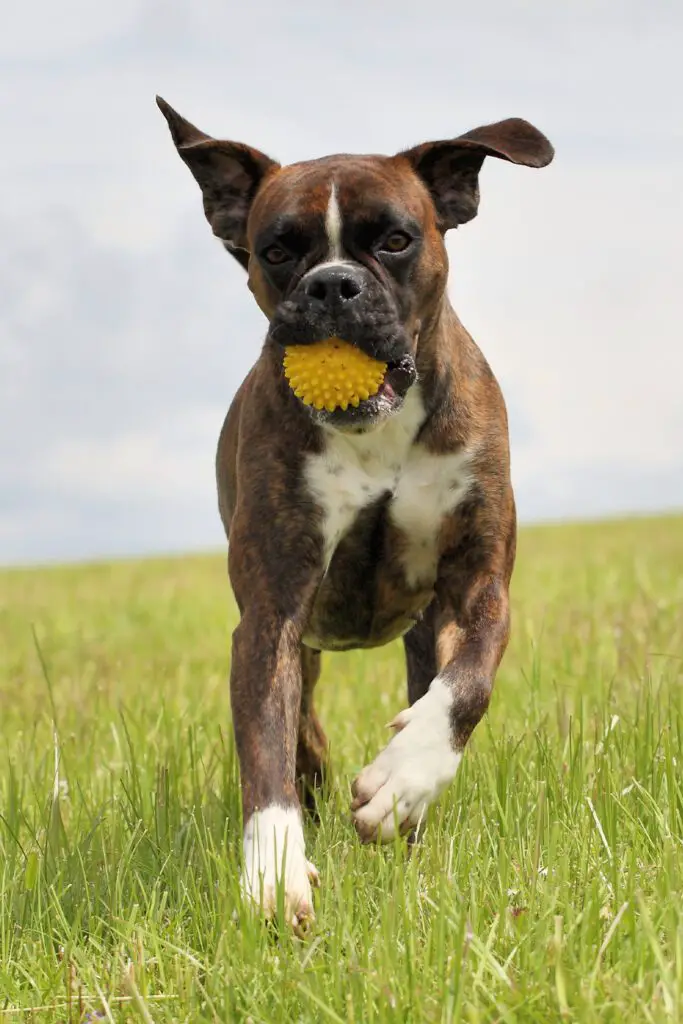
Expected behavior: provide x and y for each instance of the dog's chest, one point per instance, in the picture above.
(420, 488)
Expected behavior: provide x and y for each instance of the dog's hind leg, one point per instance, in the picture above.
(420, 648)
(311, 751)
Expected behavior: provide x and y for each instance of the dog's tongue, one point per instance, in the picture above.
(400, 375)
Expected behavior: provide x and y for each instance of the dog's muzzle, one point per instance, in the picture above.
(345, 300)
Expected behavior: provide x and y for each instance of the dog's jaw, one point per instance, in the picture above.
(275, 857)
(372, 412)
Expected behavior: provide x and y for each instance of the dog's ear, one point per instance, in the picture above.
(450, 169)
(229, 175)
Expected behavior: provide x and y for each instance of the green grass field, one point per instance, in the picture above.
(549, 883)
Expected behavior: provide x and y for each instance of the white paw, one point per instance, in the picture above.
(272, 836)
(411, 772)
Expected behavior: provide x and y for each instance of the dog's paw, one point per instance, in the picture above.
(410, 773)
(273, 840)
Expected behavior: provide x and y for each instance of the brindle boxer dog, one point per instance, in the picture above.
(349, 529)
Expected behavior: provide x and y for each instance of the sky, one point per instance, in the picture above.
(125, 329)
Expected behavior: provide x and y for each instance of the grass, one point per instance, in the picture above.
(549, 884)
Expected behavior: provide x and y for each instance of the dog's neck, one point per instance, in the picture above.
(442, 355)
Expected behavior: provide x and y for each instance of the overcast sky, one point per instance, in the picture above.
(125, 329)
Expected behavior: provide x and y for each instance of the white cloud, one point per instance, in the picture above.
(165, 464)
(125, 330)
(41, 31)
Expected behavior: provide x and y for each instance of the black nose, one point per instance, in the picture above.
(334, 284)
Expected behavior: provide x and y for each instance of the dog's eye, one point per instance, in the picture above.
(274, 254)
(397, 241)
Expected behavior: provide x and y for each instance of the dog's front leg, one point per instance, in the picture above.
(470, 635)
(265, 692)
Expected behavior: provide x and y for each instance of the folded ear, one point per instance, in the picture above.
(450, 169)
(229, 175)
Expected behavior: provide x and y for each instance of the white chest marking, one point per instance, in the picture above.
(355, 470)
(333, 226)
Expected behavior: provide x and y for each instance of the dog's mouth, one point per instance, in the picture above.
(399, 377)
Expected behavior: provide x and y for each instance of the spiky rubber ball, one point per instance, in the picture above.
(332, 374)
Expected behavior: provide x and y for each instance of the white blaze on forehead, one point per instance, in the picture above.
(333, 225)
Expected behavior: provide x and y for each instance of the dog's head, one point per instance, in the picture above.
(349, 246)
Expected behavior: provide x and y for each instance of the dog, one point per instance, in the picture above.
(350, 528)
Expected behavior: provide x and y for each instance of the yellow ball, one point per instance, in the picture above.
(332, 374)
